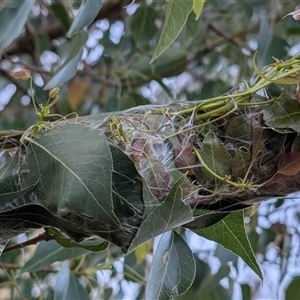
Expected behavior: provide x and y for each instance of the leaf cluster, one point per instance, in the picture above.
(128, 177)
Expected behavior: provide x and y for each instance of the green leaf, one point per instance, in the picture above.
(198, 7)
(60, 12)
(91, 245)
(230, 233)
(246, 291)
(171, 63)
(142, 24)
(67, 286)
(283, 114)
(216, 158)
(173, 268)
(81, 197)
(240, 163)
(12, 21)
(48, 253)
(85, 16)
(238, 131)
(171, 213)
(68, 68)
(293, 290)
(269, 45)
(176, 17)
(211, 288)
(205, 218)
(134, 269)
(62, 279)
(215, 155)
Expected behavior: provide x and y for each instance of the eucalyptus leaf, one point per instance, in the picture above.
(215, 155)
(168, 64)
(173, 268)
(62, 279)
(176, 17)
(230, 233)
(172, 213)
(267, 43)
(12, 21)
(67, 285)
(212, 289)
(77, 196)
(211, 282)
(217, 159)
(68, 68)
(85, 16)
(283, 114)
(143, 25)
(48, 253)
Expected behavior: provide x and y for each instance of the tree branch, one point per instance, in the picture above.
(41, 237)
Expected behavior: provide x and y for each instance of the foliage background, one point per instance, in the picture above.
(109, 70)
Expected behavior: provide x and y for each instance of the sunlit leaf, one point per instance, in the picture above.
(230, 233)
(76, 93)
(198, 7)
(85, 16)
(173, 268)
(176, 17)
(141, 252)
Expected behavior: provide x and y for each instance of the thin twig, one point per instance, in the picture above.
(41, 237)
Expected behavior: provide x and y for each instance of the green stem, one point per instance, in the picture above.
(226, 178)
(215, 106)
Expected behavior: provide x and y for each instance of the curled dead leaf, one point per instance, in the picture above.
(23, 74)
